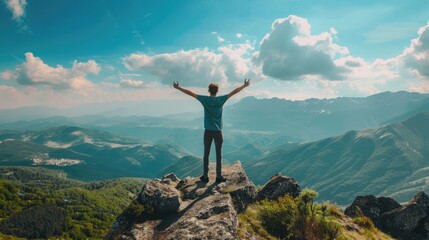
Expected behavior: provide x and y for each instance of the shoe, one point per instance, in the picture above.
(220, 179)
(204, 178)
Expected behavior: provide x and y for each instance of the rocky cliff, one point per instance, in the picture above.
(407, 221)
(170, 208)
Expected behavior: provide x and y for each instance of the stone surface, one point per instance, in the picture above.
(172, 177)
(279, 186)
(212, 217)
(189, 208)
(162, 197)
(403, 219)
(371, 207)
(408, 221)
(239, 186)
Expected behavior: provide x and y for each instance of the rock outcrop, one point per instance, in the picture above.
(371, 207)
(408, 221)
(278, 186)
(170, 208)
(162, 196)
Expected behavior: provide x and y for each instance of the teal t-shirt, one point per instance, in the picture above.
(213, 107)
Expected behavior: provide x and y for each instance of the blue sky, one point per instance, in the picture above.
(66, 53)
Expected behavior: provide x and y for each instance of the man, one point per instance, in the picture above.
(213, 106)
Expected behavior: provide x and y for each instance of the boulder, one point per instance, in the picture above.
(371, 207)
(189, 208)
(408, 221)
(213, 217)
(172, 177)
(161, 197)
(402, 220)
(279, 186)
(239, 186)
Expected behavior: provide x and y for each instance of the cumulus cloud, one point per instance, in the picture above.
(290, 51)
(379, 71)
(17, 7)
(416, 57)
(86, 67)
(131, 83)
(7, 75)
(35, 72)
(196, 67)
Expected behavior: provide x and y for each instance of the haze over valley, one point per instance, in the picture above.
(340, 147)
(100, 101)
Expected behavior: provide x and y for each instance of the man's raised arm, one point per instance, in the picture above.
(237, 90)
(185, 91)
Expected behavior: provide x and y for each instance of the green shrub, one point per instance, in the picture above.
(250, 224)
(364, 222)
(277, 216)
(299, 218)
(136, 211)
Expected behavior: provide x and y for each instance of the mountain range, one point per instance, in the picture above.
(392, 160)
(265, 123)
(340, 147)
(314, 119)
(85, 154)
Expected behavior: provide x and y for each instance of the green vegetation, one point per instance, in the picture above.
(291, 218)
(369, 229)
(42, 203)
(301, 218)
(138, 212)
(41, 221)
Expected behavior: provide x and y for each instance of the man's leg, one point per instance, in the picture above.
(208, 138)
(218, 139)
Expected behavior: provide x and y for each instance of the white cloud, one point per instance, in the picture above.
(378, 72)
(420, 88)
(35, 72)
(239, 35)
(290, 51)
(109, 68)
(416, 57)
(220, 39)
(7, 75)
(86, 67)
(131, 84)
(17, 7)
(197, 67)
(125, 75)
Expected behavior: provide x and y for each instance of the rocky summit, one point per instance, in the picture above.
(170, 208)
(407, 221)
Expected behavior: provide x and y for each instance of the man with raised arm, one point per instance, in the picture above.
(213, 106)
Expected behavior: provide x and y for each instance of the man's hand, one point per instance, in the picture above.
(186, 91)
(235, 91)
(246, 82)
(176, 84)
